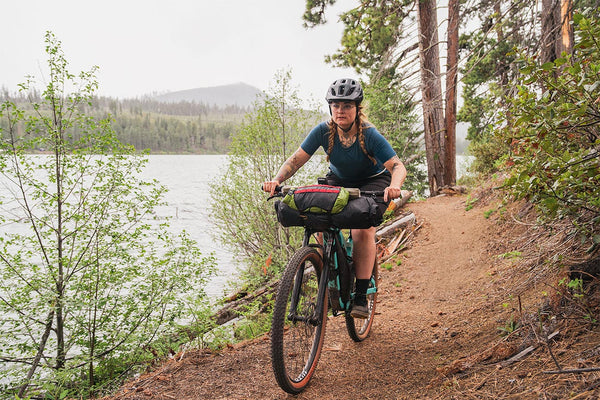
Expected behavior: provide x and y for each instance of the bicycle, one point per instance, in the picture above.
(317, 278)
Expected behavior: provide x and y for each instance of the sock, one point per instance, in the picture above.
(361, 291)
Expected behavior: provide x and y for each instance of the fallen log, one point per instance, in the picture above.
(401, 201)
(236, 308)
(525, 352)
(450, 190)
(395, 225)
(398, 203)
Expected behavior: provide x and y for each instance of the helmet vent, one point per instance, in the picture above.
(345, 90)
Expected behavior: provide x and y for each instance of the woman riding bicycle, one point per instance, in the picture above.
(360, 157)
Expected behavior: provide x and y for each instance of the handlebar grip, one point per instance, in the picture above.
(278, 189)
(356, 193)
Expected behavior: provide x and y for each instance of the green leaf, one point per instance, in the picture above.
(526, 70)
(548, 66)
(560, 61)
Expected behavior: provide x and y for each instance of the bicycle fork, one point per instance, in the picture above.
(315, 317)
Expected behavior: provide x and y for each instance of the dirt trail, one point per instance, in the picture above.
(433, 309)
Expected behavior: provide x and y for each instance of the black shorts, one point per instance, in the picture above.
(376, 183)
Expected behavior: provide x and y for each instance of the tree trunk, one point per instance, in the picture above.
(557, 31)
(501, 67)
(40, 353)
(431, 91)
(565, 42)
(550, 16)
(451, 92)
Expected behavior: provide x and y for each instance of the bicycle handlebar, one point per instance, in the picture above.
(354, 192)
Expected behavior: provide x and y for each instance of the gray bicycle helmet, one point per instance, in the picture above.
(345, 90)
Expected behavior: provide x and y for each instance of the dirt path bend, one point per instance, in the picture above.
(432, 310)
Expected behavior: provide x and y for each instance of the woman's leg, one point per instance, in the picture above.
(364, 252)
(363, 257)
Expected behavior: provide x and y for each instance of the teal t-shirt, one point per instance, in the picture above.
(351, 163)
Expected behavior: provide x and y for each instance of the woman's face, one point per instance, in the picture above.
(343, 113)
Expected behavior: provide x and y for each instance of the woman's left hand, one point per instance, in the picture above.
(391, 193)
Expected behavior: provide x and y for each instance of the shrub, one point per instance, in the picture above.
(553, 129)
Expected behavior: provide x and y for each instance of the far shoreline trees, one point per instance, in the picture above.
(184, 127)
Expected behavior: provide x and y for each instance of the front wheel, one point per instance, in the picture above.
(298, 331)
(359, 328)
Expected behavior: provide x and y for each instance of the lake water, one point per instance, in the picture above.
(188, 177)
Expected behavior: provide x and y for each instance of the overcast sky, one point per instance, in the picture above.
(151, 46)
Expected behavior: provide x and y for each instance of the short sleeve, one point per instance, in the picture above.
(316, 138)
(381, 148)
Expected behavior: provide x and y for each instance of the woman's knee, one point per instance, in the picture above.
(360, 235)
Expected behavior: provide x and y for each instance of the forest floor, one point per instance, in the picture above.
(460, 315)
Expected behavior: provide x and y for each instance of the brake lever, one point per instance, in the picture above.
(275, 195)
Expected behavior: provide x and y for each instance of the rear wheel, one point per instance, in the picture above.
(359, 328)
(297, 333)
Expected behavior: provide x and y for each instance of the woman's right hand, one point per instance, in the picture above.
(270, 186)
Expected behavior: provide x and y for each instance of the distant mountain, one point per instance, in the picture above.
(239, 94)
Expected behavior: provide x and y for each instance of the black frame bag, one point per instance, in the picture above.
(359, 213)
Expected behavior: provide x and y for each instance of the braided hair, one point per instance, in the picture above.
(361, 122)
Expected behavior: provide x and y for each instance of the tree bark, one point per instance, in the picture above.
(431, 91)
(501, 68)
(40, 353)
(565, 42)
(451, 92)
(557, 31)
(550, 15)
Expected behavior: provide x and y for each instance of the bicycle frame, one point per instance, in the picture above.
(334, 252)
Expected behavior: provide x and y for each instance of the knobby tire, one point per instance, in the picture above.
(296, 345)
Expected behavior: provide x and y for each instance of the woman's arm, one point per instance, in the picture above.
(398, 171)
(287, 170)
